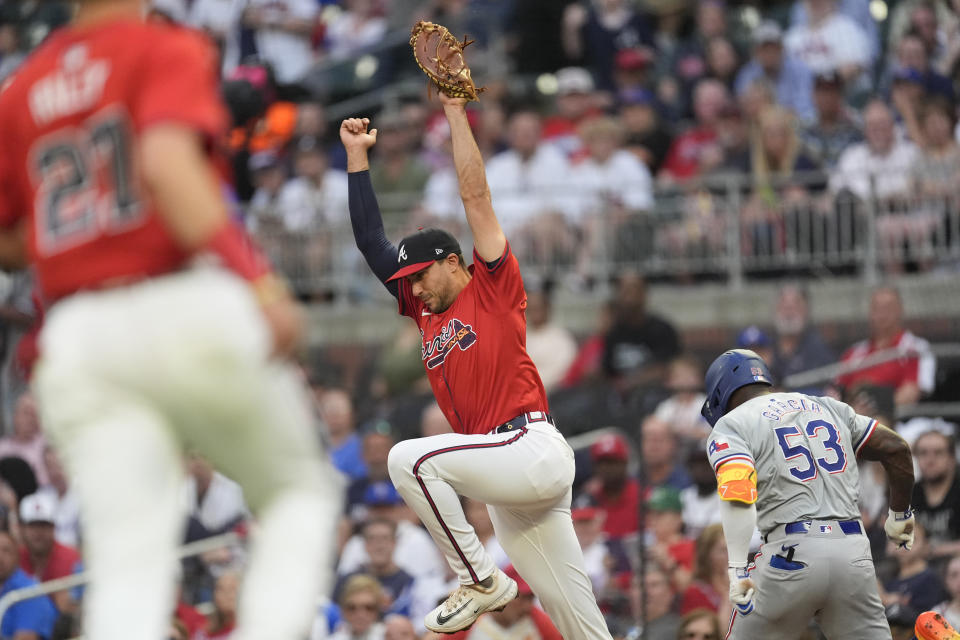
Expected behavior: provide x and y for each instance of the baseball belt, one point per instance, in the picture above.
(523, 420)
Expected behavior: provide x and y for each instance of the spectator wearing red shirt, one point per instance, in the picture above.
(615, 493)
(224, 616)
(911, 375)
(697, 150)
(41, 556)
(519, 620)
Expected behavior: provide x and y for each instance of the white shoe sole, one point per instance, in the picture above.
(497, 605)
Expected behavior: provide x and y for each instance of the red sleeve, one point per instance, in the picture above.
(499, 283)
(179, 82)
(911, 371)
(845, 380)
(544, 625)
(11, 204)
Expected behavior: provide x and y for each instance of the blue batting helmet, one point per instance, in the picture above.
(734, 369)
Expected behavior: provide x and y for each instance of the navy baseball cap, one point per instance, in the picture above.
(421, 249)
(753, 336)
(381, 494)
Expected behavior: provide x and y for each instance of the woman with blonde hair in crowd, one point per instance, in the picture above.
(711, 586)
(361, 605)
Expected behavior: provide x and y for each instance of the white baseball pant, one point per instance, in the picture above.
(525, 478)
(130, 376)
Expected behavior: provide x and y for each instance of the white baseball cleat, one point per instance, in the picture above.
(465, 605)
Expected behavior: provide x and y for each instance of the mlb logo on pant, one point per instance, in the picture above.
(826, 528)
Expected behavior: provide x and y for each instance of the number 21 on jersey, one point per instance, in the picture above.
(796, 446)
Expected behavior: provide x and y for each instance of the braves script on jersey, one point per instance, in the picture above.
(803, 449)
(475, 351)
(69, 121)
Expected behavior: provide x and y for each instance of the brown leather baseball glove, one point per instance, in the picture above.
(440, 56)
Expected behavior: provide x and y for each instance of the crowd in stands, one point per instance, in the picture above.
(635, 131)
(631, 129)
(645, 509)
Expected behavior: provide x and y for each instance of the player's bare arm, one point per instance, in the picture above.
(488, 237)
(13, 248)
(189, 200)
(890, 450)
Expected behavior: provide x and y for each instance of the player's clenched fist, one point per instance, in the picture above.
(354, 134)
(742, 589)
(899, 527)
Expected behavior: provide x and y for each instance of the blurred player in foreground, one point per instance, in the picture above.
(786, 462)
(108, 189)
(506, 451)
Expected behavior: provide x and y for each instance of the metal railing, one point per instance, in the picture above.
(78, 579)
(729, 228)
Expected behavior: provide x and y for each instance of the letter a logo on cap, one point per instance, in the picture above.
(403, 254)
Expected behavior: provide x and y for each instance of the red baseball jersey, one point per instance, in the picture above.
(475, 352)
(70, 121)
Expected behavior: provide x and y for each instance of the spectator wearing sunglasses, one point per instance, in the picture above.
(361, 604)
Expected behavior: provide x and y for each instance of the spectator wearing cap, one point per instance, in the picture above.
(31, 619)
(588, 523)
(41, 556)
(797, 345)
(632, 69)
(595, 33)
(267, 176)
(792, 81)
(667, 544)
(380, 542)
(521, 619)
(757, 340)
(834, 128)
(829, 41)
(576, 103)
(612, 489)
(645, 135)
(415, 551)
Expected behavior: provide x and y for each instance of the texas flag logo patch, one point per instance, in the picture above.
(717, 445)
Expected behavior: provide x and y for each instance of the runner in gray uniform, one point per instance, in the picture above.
(786, 463)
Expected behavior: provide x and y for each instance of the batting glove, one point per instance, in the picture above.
(899, 527)
(742, 589)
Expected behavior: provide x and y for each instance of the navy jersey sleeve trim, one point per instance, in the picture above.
(367, 223)
(496, 264)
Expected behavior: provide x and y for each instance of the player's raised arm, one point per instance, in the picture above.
(365, 218)
(488, 237)
(890, 450)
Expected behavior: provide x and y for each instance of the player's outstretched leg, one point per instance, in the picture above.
(933, 626)
(544, 549)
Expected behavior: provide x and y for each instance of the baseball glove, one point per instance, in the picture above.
(440, 56)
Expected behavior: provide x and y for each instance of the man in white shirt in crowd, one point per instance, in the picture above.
(221, 20)
(880, 166)
(283, 34)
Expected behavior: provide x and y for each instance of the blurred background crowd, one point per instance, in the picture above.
(676, 177)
